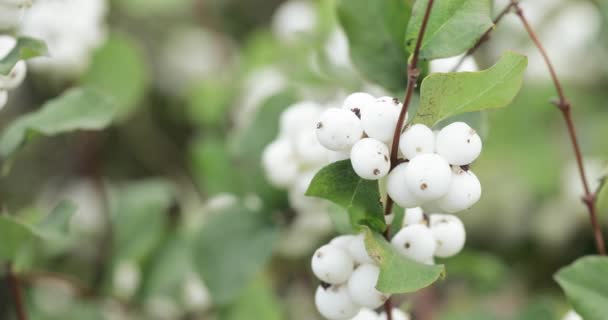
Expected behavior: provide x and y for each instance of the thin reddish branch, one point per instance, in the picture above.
(565, 108)
(17, 293)
(485, 37)
(412, 79)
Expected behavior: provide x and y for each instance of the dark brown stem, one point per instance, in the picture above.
(412, 79)
(485, 37)
(17, 293)
(565, 108)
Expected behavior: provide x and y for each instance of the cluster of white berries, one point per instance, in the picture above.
(290, 162)
(349, 275)
(436, 166)
(11, 12)
(71, 29)
(16, 76)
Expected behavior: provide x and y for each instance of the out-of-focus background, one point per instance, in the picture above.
(176, 216)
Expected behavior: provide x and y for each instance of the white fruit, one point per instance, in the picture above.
(396, 314)
(342, 241)
(413, 216)
(331, 264)
(366, 314)
(357, 250)
(358, 101)
(3, 98)
(370, 159)
(449, 234)
(334, 303)
(309, 150)
(297, 118)
(428, 176)
(362, 287)
(417, 139)
(297, 198)
(464, 192)
(380, 120)
(279, 163)
(335, 156)
(415, 242)
(397, 188)
(338, 129)
(572, 315)
(458, 143)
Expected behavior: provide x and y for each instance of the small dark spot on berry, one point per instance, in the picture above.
(357, 112)
(466, 167)
(468, 140)
(325, 285)
(407, 245)
(385, 158)
(319, 125)
(423, 186)
(395, 101)
(376, 172)
(319, 254)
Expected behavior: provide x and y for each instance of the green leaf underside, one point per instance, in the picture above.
(399, 274)
(448, 94)
(76, 109)
(453, 27)
(375, 31)
(231, 249)
(585, 283)
(26, 48)
(16, 235)
(339, 183)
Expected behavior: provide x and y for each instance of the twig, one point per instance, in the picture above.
(565, 108)
(412, 79)
(485, 37)
(17, 293)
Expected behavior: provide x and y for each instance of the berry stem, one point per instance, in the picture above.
(485, 37)
(564, 106)
(412, 79)
(17, 293)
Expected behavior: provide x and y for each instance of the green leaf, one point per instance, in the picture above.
(213, 167)
(399, 274)
(453, 27)
(16, 235)
(447, 94)
(76, 109)
(339, 183)
(375, 32)
(118, 70)
(257, 302)
(25, 48)
(231, 249)
(585, 283)
(139, 218)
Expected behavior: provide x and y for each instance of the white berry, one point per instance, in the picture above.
(449, 233)
(362, 287)
(417, 139)
(370, 159)
(335, 303)
(366, 314)
(415, 242)
(428, 176)
(342, 241)
(380, 120)
(358, 101)
(308, 148)
(397, 188)
(458, 143)
(357, 250)
(278, 160)
(331, 264)
(464, 192)
(338, 129)
(413, 216)
(297, 118)
(396, 314)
